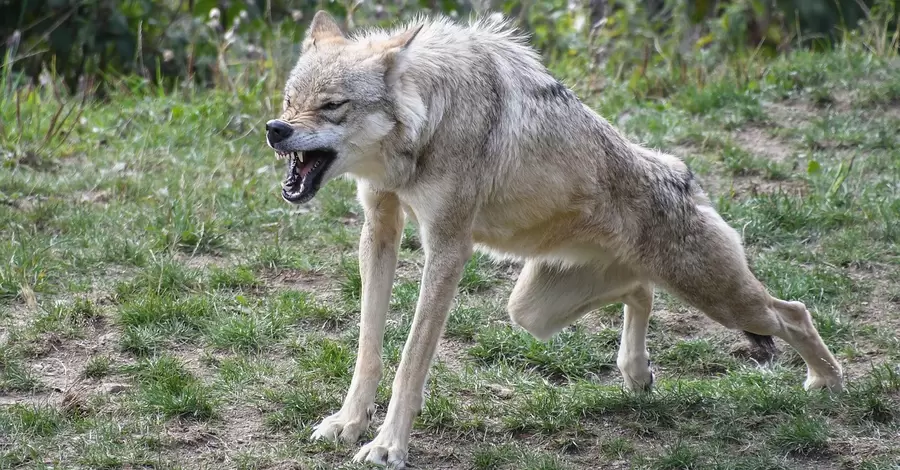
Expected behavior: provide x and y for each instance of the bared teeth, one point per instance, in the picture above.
(300, 156)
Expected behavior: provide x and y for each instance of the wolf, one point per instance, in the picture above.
(461, 129)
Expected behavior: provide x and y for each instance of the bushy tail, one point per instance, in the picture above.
(763, 344)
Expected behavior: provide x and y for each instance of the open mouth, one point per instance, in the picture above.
(304, 173)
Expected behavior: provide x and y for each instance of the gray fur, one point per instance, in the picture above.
(462, 129)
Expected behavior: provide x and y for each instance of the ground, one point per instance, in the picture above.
(161, 306)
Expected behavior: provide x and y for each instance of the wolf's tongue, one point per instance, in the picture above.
(307, 167)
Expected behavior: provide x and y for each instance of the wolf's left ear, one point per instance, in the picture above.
(322, 28)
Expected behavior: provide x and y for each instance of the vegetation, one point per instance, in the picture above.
(160, 306)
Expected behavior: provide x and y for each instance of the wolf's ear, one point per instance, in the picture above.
(392, 48)
(322, 28)
(402, 40)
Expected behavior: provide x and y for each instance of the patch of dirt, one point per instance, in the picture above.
(452, 353)
(239, 429)
(296, 279)
(16, 316)
(759, 142)
(58, 361)
(94, 197)
(881, 312)
(200, 261)
(844, 100)
(740, 187)
(244, 426)
(287, 465)
(892, 112)
(791, 113)
(854, 449)
(61, 362)
(750, 186)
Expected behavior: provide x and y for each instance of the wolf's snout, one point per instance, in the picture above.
(278, 130)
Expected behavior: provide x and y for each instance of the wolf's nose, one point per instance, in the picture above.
(278, 130)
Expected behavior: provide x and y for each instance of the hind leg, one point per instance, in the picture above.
(765, 315)
(710, 273)
(791, 322)
(547, 298)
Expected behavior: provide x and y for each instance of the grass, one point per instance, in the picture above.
(153, 250)
(167, 388)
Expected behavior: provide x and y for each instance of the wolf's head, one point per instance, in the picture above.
(338, 107)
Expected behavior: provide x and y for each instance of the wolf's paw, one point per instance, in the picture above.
(832, 383)
(342, 425)
(637, 375)
(383, 452)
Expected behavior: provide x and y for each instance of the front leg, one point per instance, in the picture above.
(445, 257)
(379, 244)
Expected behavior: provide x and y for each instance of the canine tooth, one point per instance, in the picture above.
(301, 157)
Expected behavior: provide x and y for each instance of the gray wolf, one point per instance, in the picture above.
(461, 129)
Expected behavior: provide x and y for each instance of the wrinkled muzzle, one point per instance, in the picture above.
(305, 168)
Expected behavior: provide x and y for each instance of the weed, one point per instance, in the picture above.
(326, 360)
(14, 376)
(801, 435)
(569, 354)
(36, 421)
(165, 278)
(291, 306)
(679, 456)
(476, 276)
(301, 406)
(464, 323)
(97, 367)
(239, 277)
(169, 389)
(696, 357)
(244, 332)
(351, 284)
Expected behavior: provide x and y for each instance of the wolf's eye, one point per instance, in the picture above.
(332, 105)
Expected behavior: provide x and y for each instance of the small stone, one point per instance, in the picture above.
(113, 388)
(107, 338)
(501, 392)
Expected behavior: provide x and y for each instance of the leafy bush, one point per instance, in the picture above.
(235, 43)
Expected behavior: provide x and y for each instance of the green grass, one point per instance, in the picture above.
(167, 388)
(569, 354)
(97, 367)
(154, 250)
(801, 435)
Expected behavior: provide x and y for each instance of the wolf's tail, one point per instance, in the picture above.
(763, 343)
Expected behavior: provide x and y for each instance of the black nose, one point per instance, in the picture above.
(278, 130)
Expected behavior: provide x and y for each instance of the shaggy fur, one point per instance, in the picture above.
(460, 128)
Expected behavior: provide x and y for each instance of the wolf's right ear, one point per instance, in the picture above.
(392, 48)
(322, 28)
(402, 40)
